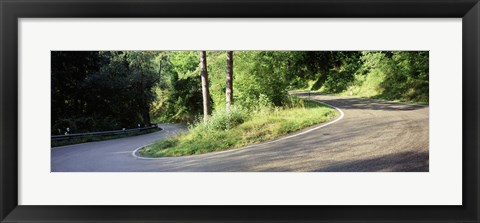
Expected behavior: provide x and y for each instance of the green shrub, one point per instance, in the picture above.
(222, 120)
(294, 102)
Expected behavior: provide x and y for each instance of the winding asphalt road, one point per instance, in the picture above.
(373, 135)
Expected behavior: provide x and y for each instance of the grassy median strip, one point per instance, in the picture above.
(238, 128)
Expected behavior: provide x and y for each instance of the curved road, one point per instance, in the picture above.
(373, 135)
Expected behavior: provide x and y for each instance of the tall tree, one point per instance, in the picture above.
(204, 77)
(99, 91)
(144, 79)
(229, 80)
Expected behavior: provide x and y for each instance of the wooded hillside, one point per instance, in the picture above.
(108, 90)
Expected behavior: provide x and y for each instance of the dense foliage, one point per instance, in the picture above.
(399, 76)
(94, 91)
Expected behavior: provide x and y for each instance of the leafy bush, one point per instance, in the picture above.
(222, 120)
(399, 76)
(60, 127)
(294, 102)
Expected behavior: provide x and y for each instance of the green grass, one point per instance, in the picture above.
(238, 128)
(372, 86)
(367, 86)
(92, 138)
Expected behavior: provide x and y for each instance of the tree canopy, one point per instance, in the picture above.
(107, 90)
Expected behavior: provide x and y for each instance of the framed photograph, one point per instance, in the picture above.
(229, 111)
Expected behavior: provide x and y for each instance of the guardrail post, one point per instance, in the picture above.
(105, 133)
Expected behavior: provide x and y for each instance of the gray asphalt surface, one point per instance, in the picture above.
(372, 136)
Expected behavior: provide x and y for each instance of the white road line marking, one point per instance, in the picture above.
(264, 143)
(134, 153)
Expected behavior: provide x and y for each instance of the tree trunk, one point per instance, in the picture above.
(160, 66)
(144, 104)
(229, 80)
(146, 116)
(204, 77)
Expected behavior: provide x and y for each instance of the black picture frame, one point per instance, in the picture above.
(11, 11)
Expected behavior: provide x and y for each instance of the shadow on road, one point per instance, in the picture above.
(372, 104)
(400, 162)
(365, 103)
(329, 149)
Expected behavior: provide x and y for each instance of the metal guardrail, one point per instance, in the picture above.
(105, 133)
